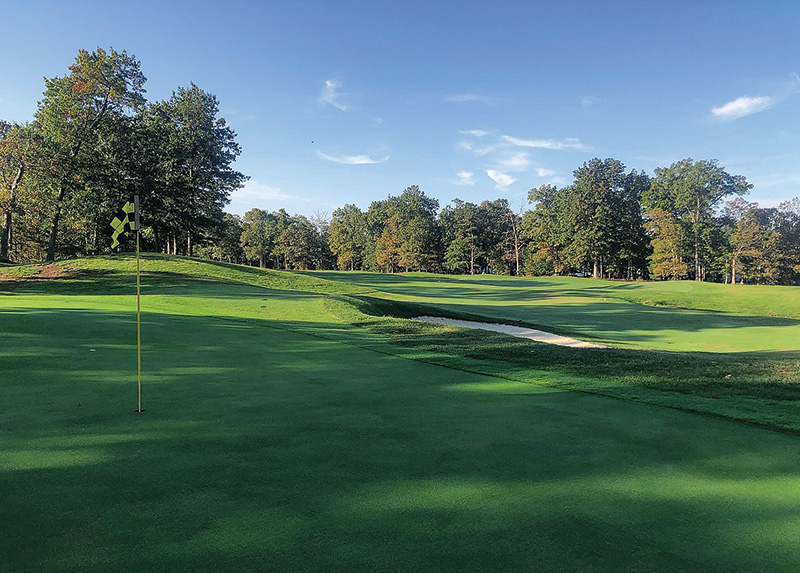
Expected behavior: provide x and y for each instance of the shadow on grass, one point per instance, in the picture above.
(264, 447)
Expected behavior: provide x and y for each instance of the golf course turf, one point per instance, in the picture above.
(292, 424)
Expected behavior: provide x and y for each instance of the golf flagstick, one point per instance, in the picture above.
(138, 307)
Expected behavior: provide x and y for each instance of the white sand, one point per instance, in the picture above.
(520, 332)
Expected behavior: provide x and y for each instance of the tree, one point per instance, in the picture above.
(197, 150)
(224, 244)
(409, 236)
(547, 231)
(348, 237)
(256, 240)
(669, 244)
(17, 152)
(99, 87)
(690, 190)
(606, 217)
(460, 227)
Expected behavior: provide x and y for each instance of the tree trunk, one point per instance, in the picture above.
(594, 269)
(188, 243)
(516, 242)
(12, 204)
(51, 243)
(472, 258)
(6, 236)
(733, 271)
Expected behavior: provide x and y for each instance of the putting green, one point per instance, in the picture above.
(599, 311)
(278, 438)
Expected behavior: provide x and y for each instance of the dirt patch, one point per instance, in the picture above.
(519, 332)
(41, 273)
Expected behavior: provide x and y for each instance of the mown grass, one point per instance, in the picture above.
(301, 430)
(760, 388)
(594, 310)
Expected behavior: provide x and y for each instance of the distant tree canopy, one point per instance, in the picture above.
(95, 141)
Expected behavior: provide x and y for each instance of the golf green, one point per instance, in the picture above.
(276, 437)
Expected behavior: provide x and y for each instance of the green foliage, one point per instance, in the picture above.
(690, 191)
(669, 245)
(195, 175)
(408, 235)
(349, 237)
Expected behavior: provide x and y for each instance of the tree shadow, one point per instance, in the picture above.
(263, 446)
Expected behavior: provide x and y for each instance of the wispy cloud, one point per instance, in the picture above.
(748, 105)
(470, 98)
(465, 178)
(545, 172)
(588, 101)
(332, 96)
(351, 159)
(475, 132)
(254, 191)
(568, 143)
(503, 180)
(743, 106)
(485, 150)
(517, 162)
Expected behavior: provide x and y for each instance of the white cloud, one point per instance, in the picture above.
(516, 162)
(465, 178)
(748, 105)
(569, 143)
(588, 101)
(469, 98)
(331, 96)
(743, 106)
(475, 132)
(545, 172)
(503, 180)
(254, 191)
(351, 159)
(476, 150)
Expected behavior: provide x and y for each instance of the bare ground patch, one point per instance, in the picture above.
(39, 273)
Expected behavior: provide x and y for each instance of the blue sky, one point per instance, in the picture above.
(347, 102)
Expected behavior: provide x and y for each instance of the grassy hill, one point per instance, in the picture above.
(298, 422)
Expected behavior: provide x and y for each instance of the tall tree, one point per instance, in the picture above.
(669, 245)
(17, 152)
(690, 191)
(349, 236)
(100, 85)
(409, 237)
(198, 150)
(460, 227)
(547, 231)
(256, 239)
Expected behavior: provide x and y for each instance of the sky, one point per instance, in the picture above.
(338, 102)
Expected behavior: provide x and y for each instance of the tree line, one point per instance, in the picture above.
(609, 223)
(95, 140)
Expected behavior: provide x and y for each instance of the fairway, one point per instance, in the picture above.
(279, 436)
(676, 316)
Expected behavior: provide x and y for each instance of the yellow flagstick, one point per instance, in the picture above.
(138, 307)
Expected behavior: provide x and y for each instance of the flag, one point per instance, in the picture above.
(123, 222)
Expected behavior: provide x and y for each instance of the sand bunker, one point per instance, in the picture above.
(518, 331)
